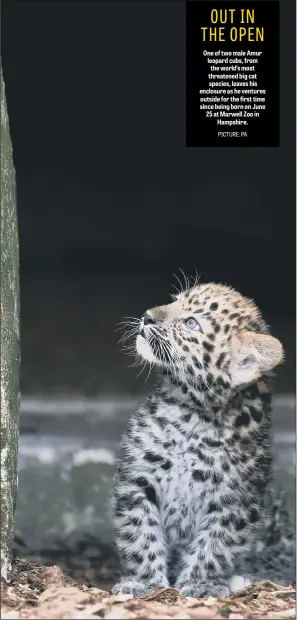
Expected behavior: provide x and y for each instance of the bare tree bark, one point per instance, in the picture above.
(10, 355)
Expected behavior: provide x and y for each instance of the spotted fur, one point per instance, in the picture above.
(193, 498)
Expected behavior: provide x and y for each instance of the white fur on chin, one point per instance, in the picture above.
(144, 349)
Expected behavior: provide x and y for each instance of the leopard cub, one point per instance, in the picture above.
(193, 500)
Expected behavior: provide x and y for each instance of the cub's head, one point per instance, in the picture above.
(210, 336)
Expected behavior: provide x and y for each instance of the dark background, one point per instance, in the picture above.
(110, 200)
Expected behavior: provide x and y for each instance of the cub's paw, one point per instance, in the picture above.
(133, 588)
(238, 582)
(205, 588)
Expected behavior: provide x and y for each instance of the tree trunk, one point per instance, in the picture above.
(10, 355)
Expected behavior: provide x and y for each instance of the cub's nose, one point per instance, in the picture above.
(148, 318)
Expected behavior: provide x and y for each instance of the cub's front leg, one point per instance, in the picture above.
(140, 542)
(208, 562)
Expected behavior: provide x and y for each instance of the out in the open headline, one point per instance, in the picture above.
(231, 33)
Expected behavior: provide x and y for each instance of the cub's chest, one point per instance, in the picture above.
(192, 478)
(193, 456)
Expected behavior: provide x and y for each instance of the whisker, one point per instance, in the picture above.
(128, 321)
(141, 371)
(128, 335)
(174, 296)
(187, 283)
(149, 372)
(124, 323)
(195, 280)
(135, 318)
(180, 284)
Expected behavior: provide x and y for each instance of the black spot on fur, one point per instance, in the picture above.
(226, 328)
(227, 500)
(221, 560)
(152, 407)
(240, 524)
(214, 507)
(196, 363)
(206, 359)
(166, 465)
(152, 458)
(207, 346)
(212, 443)
(151, 495)
(209, 378)
(245, 441)
(242, 420)
(148, 575)
(170, 400)
(210, 566)
(197, 403)
(235, 315)
(209, 460)
(217, 477)
(142, 423)
(200, 475)
(229, 541)
(187, 417)
(214, 306)
(264, 461)
(135, 520)
(222, 383)
(220, 360)
(141, 481)
(161, 421)
(256, 415)
(266, 398)
(131, 536)
(193, 339)
(254, 515)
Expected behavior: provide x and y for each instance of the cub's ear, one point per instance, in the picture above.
(252, 355)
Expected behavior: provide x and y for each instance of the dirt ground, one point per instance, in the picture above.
(44, 592)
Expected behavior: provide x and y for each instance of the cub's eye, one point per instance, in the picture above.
(192, 324)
